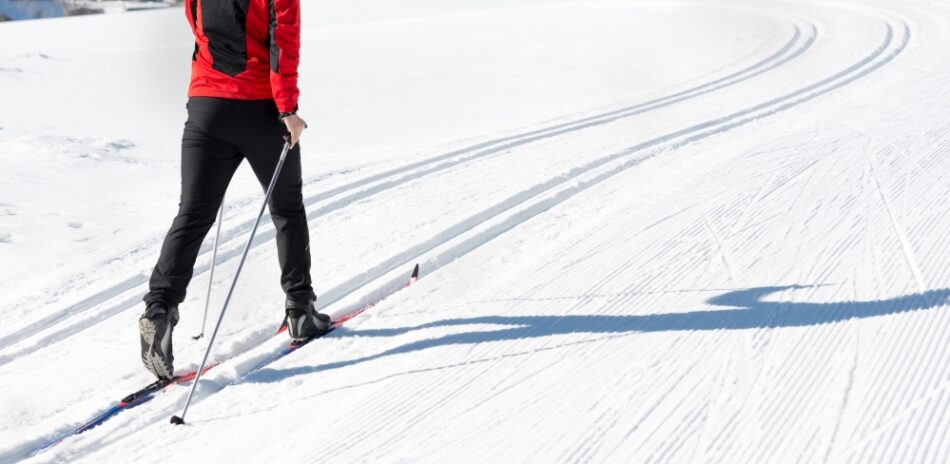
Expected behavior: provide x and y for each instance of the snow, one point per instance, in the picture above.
(648, 232)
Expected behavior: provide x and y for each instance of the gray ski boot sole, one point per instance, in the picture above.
(152, 354)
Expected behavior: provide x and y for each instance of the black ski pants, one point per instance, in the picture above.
(218, 135)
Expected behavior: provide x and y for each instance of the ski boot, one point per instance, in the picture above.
(155, 331)
(304, 323)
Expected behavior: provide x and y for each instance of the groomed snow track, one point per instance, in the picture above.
(651, 262)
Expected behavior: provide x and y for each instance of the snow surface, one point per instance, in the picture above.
(649, 232)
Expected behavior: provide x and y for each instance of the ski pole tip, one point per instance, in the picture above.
(177, 420)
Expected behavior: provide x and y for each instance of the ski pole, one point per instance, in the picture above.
(270, 188)
(214, 255)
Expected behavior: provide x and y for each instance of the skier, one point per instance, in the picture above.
(242, 103)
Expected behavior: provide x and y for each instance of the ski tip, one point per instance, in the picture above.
(415, 272)
(198, 337)
(177, 420)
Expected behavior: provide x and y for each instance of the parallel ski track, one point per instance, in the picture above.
(850, 74)
(590, 174)
(465, 236)
(357, 190)
(353, 310)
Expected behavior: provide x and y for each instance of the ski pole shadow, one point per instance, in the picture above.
(746, 310)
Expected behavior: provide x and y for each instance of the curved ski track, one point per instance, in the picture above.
(482, 227)
(364, 188)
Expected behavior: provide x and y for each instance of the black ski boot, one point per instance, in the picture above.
(305, 323)
(155, 331)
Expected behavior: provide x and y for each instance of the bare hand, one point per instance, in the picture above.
(295, 125)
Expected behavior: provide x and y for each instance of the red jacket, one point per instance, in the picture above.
(246, 50)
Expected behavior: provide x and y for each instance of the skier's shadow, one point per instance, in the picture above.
(747, 310)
